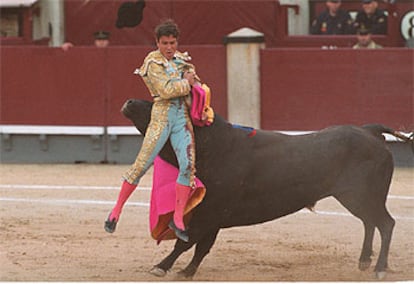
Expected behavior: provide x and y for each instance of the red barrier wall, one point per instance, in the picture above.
(302, 89)
(122, 84)
(87, 85)
(45, 86)
(309, 89)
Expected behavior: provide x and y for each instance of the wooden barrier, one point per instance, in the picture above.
(309, 89)
(86, 85)
(84, 88)
(301, 89)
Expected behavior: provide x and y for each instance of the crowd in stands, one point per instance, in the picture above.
(336, 21)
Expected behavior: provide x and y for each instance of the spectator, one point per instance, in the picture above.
(101, 39)
(371, 17)
(332, 21)
(365, 40)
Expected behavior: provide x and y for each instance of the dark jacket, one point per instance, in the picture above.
(325, 24)
(377, 23)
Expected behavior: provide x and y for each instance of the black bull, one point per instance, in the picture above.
(252, 180)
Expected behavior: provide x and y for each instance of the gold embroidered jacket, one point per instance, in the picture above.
(162, 77)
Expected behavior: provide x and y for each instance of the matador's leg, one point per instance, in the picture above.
(155, 138)
(182, 140)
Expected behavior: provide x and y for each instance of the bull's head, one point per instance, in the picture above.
(139, 112)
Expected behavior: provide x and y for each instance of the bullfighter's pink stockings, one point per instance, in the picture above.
(182, 194)
(126, 191)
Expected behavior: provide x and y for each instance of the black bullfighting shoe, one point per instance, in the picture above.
(181, 234)
(110, 225)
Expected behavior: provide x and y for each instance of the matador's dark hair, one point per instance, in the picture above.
(166, 28)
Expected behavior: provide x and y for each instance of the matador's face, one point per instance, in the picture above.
(167, 46)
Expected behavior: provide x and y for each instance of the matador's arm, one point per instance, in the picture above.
(167, 87)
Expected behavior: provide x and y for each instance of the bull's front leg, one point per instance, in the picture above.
(161, 268)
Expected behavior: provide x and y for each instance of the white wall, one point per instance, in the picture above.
(298, 24)
(51, 14)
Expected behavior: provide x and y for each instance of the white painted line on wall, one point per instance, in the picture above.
(114, 130)
(51, 130)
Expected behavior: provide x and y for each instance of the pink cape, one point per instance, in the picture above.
(163, 199)
(197, 106)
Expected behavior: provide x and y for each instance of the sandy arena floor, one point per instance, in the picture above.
(51, 229)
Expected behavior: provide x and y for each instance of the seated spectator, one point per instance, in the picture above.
(371, 17)
(365, 40)
(332, 21)
(101, 39)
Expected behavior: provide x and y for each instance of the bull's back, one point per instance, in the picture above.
(287, 173)
(334, 146)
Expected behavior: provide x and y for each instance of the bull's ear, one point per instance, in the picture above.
(130, 14)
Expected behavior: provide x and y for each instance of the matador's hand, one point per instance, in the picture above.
(190, 76)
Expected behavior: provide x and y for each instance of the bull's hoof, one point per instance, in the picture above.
(364, 265)
(380, 274)
(183, 275)
(159, 272)
(188, 272)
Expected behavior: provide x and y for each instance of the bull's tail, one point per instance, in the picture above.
(378, 130)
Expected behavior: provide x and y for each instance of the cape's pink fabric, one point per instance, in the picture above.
(163, 190)
(197, 106)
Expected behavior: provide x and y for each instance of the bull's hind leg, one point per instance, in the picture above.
(366, 253)
(371, 210)
(385, 225)
(202, 249)
(161, 268)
